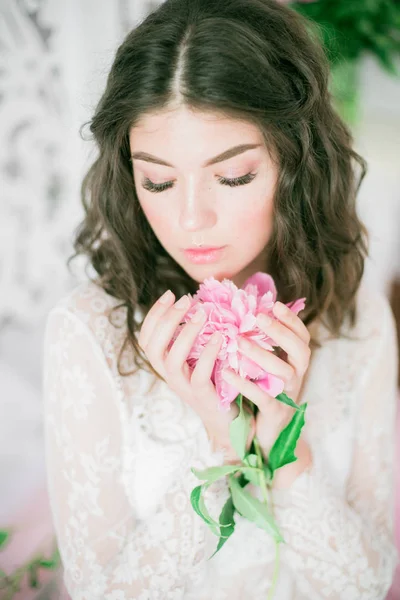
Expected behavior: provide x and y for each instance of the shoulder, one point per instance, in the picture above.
(374, 320)
(372, 342)
(87, 300)
(89, 324)
(361, 345)
(89, 308)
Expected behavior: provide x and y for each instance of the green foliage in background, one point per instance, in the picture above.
(350, 29)
(11, 584)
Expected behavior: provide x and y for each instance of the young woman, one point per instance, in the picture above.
(216, 129)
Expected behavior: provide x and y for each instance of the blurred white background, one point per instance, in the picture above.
(55, 56)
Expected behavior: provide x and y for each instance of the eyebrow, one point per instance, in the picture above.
(212, 161)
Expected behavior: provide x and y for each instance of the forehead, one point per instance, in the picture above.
(191, 130)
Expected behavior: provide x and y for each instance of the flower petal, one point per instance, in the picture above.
(226, 392)
(297, 305)
(271, 384)
(264, 283)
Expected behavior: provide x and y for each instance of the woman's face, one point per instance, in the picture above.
(196, 204)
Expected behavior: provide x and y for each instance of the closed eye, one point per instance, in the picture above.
(154, 187)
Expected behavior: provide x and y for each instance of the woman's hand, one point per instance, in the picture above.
(195, 388)
(290, 333)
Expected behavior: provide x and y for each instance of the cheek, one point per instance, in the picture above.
(158, 221)
(255, 222)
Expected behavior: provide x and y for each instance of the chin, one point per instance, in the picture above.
(209, 271)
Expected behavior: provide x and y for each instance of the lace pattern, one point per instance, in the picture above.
(119, 452)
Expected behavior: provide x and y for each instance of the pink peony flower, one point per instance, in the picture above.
(233, 312)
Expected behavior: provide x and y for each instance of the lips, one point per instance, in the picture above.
(203, 248)
(204, 256)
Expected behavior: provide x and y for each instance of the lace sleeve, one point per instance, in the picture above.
(342, 545)
(107, 553)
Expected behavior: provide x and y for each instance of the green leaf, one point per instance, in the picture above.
(282, 452)
(33, 578)
(214, 473)
(227, 524)
(286, 400)
(252, 474)
(56, 555)
(242, 481)
(267, 472)
(239, 429)
(198, 504)
(251, 460)
(254, 477)
(51, 563)
(48, 564)
(252, 509)
(4, 535)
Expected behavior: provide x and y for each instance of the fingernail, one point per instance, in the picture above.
(264, 320)
(165, 298)
(198, 316)
(182, 303)
(279, 308)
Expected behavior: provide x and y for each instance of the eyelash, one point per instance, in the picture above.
(153, 187)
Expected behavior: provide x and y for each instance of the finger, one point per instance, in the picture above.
(175, 361)
(166, 325)
(205, 394)
(201, 375)
(297, 350)
(249, 389)
(158, 309)
(267, 360)
(253, 425)
(274, 411)
(292, 321)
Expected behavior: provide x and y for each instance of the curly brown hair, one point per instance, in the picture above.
(256, 60)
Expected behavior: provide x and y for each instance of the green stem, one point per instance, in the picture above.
(264, 488)
(276, 569)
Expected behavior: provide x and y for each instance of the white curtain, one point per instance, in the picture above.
(54, 59)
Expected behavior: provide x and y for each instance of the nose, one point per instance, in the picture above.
(197, 212)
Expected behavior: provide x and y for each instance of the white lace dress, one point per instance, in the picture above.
(119, 452)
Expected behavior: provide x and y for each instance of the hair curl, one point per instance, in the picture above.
(256, 60)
